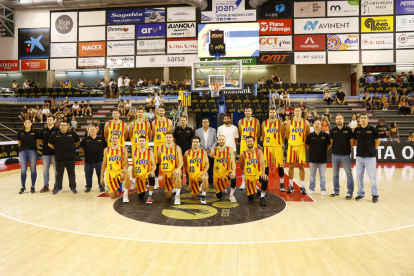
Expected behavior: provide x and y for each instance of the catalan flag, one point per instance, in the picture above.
(186, 99)
(67, 84)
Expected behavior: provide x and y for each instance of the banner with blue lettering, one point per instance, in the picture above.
(129, 16)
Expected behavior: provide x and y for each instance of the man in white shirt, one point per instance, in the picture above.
(80, 83)
(120, 81)
(140, 81)
(75, 109)
(156, 100)
(26, 84)
(103, 83)
(208, 141)
(229, 131)
(126, 80)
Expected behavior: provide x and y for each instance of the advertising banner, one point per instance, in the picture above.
(275, 26)
(34, 43)
(379, 69)
(184, 29)
(310, 58)
(33, 64)
(151, 47)
(405, 7)
(275, 43)
(404, 23)
(377, 41)
(120, 62)
(127, 16)
(64, 26)
(309, 9)
(120, 48)
(377, 24)
(58, 50)
(182, 46)
(96, 33)
(310, 42)
(92, 18)
(91, 49)
(120, 32)
(154, 15)
(343, 8)
(151, 30)
(375, 7)
(177, 14)
(228, 11)
(327, 25)
(165, 61)
(404, 41)
(342, 42)
(9, 65)
(275, 10)
(271, 58)
(245, 61)
(91, 63)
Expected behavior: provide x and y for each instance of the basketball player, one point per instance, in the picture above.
(160, 127)
(116, 126)
(296, 131)
(248, 126)
(252, 163)
(170, 159)
(143, 168)
(224, 168)
(115, 163)
(273, 136)
(139, 128)
(196, 164)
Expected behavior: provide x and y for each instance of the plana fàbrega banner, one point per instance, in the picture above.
(377, 24)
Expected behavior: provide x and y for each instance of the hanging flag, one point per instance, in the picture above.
(67, 84)
(186, 99)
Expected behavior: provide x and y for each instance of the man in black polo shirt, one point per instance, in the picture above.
(64, 144)
(340, 97)
(48, 154)
(318, 143)
(382, 130)
(342, 140)
(367, 141)
(93, 148)
(183, 135)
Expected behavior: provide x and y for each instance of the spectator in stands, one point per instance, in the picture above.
(275, 97)
(145, 83)
(101, 127)
(286, 97)
(31, 113)
(127, 106)
(411, 137)
(302, 106)
(157, 83)
(66, 111)
(126, 80)
(82, 107)
(26, 84)
(57, 84)
(73, 124)
(132, 82)
(289, 110)
(140, 82)
(131, 112)
(367, 101)
(121, 107)
(111, 88)
(269, 81)
(393, 95)
(327, 97)
(148, 99)
(353, 123)
(403, 77)
(383, 131)
(404, 94)
(310, 119)
(362, 79)
(340, 97)
(80, 84)
(58, 120)
(386, 78)
(53, 111)
(391, 79)
(410, 77)
(23, 114)
(384, 102)
(76, 109)
(411, 104)
(156, 100)
(325, 124)
(147, 107)
(275, 79)
(53, 101)
(394, 133)
(98, 84)
(45, 113)
(403, 107)
(66, 102)
(370, 78)
(120, 81)
(327, 114)
(14, 84)
(172, 112)
(161, 100)
(103, 83)
(88, 109)
(150, 83)
(151, 115)
(47, 102)
(38, 114)
(281, 110)
(376, 101)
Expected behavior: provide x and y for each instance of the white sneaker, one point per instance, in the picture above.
(156, 184)
(243, 186)
(310, 192)
(133, 186)
(177, 200)
(233, 199)
(174, 191)
(323, 193)
(125, 198)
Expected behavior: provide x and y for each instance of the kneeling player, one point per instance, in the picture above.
(196, 164)
(144, 169)
(115, 163)
(224, 168)
(252, 163)
(171, 162)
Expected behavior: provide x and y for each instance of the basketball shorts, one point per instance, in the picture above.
(194, 184)
(141, 183)
(251, 183)
(296, 154)
(273, 156)
(113, 181)
(169, 182)
(220, 184)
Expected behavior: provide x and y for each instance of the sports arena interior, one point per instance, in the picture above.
(208, 137)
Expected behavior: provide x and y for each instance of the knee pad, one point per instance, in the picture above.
(141, 195)
(251, 197)
(151, 181)
(219, 195)
(281, 172)
(267, 169)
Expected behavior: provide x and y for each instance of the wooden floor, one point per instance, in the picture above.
(66, 234)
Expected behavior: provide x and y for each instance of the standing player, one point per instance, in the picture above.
(171, 161)
(143, 168)
(224, 168)
(139, 128)
(296, 131)
(115, 163)
(160, 127)
(273, 136)
(196, 164)
(252, 163)
(248, 126)
(116, 126)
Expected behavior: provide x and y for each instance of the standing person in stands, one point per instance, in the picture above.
(120, 81)
(27, 139)
(111, 88)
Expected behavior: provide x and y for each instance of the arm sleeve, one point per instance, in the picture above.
(19, 138)
(308, 140)
(328, 140)
(52, 139)
(376, 136)
(76, 137)
(82, 144)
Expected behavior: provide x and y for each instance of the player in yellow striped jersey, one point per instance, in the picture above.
(115, 163)
(196, 164)
(252, 163)
(273, 137)
(138, 128)
(248, 126)
(224, 168)
(170, 159)
(116, 126)
(143, 169)
(296, 131)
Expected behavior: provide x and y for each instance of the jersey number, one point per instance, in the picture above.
(136, 141)
(293, 137)
(158, 136)
(249, 170)
(110, 167)
(192, 169)
(218, 167)
(267, 139)
(138, 170)
(165, 166)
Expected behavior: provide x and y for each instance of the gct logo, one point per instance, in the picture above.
(310, 25)
(64, 24)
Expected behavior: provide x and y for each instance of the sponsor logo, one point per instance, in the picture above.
(9, 65)
(377, 41)
(275, 59)
(279, 8)
(327, 25)
(343, 8)
(125, 15)
(120, 29)
(310, 25)
(306, 43)
(181, 25)
(151, 30)
(310, 58)
(64, 24)
(377, 7)
(129, 16)
(404, 38)
(281, 26)
(309, 9)
(379, 25)
(33, 64)
(342, 42)
(91, 49)
(34, 42)
(407, 3)
(231, 6)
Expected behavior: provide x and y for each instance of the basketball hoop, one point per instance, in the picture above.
(215, 89)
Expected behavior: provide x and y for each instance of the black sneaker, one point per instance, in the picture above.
(334, 194)
(102, 189)
(263, 201)
(375, 199)
(282, 187)
(303, 190)
(74, 191)
(57, 190)
(32, 190)
(22, 190)
(87, 190)
(358, 198)
(348, 196)
(44, 189)
(290, 190)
